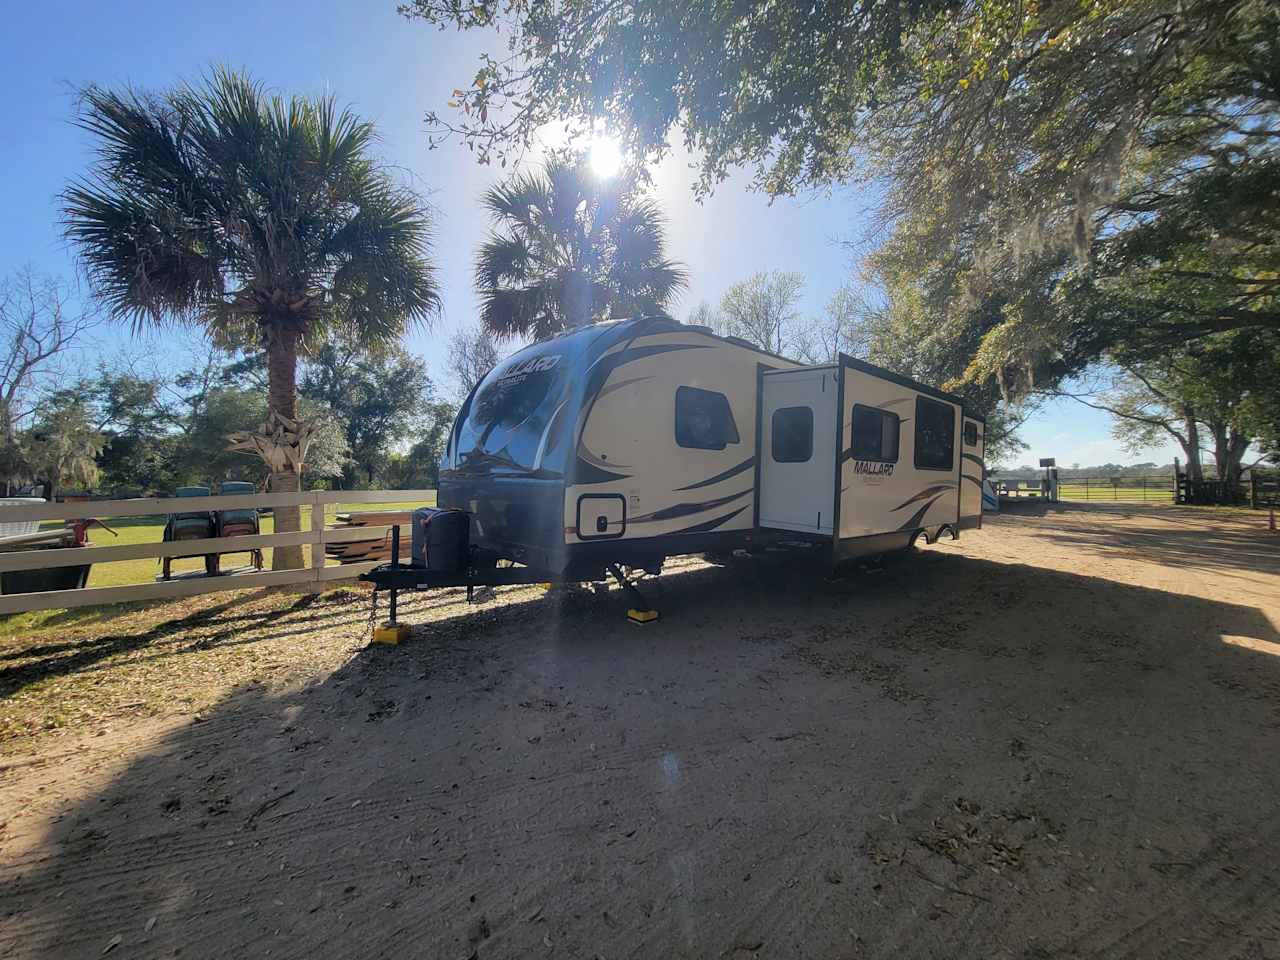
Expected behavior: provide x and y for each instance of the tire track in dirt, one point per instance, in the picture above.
(1225, 904)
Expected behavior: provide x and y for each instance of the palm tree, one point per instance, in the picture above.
(263, 219)
(568, 249)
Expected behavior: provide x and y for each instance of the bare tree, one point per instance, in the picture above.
(40, 322)
(842, 328)
(705, 315)
(473, 352)
(763, 310)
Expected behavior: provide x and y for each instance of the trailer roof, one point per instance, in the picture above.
(904, 381)
(661, 323)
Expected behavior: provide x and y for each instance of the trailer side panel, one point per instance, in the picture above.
(899, 461)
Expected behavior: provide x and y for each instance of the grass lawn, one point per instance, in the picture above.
(131, 530)
(1152, 494)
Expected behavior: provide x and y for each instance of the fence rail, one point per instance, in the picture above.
(1142, 489)
(1258, 489)
(316, 536)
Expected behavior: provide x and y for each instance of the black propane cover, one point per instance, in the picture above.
(441, 539)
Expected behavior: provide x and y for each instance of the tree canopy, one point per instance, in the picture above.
(383, 399)
(1059, 179)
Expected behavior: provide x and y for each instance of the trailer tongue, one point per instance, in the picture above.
(442, 557)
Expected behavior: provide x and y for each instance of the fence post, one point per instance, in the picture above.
(1253, 489)
(317, 539)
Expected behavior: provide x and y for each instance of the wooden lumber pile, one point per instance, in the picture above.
(378, 546)
(41, 540)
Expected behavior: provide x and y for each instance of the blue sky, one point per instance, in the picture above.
(392, 71)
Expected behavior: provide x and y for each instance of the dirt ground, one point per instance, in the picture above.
(1059, 737)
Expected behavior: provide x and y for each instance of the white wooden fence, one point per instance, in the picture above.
(317, 536)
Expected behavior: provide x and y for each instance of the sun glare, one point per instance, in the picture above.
(606, 157)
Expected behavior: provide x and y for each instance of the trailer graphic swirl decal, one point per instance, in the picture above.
(708, 525)
(934, 491)
(742, 467)
(688, 509)
(918, 516)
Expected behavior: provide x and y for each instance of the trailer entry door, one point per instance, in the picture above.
(798, 450)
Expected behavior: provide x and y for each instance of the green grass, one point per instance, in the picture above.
(1152, 494)
(132, 530)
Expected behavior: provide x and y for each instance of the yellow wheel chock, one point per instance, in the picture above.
(391, 634)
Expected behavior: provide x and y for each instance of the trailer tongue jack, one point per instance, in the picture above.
(639, 611)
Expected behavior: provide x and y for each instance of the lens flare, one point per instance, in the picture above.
(605, 157)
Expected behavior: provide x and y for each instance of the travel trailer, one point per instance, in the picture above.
(632, 441)
(621, 444)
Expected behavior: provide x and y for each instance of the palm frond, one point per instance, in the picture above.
(522, 199)
(569, 250)
(241, 209)
(519, 312)
(502, 259)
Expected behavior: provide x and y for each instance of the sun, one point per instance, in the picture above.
(605, 157)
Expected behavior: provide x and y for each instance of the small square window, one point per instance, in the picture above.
(704, 420)
(935, 434)
(970, 434)
(792, 434)
(875, 434)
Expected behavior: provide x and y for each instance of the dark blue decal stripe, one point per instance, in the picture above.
(710, 524)
(687, 509)
(976, 480)
(969, 456)
(919, 515)
(934, 491)
(611, 388)
(599, 372)
(745, 465)
(585, 473)
(631, 354)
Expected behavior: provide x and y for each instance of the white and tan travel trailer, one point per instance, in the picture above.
(631, 441)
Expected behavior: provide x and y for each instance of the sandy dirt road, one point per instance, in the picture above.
(1059, 737)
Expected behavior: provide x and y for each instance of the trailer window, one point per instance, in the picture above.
(935, 434)
(704, 420)
(506, 418)
(970, 434)
(875, 434)
(792, 434)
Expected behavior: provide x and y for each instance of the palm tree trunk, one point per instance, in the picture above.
(282, 397)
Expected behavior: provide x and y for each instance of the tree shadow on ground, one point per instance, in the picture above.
(1173, 536)
(948, 758)
(46, 660)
